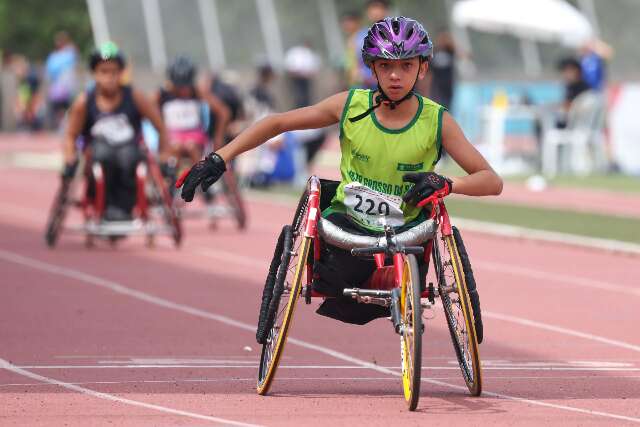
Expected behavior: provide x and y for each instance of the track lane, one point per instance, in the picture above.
(308, 322)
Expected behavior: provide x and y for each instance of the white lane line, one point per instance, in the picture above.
(16, 370)
(252, 379)
(329, 367)
(255, 262)
(116, 287)
(556, 277)
(353, 360)
(232, 257)
(560, 330)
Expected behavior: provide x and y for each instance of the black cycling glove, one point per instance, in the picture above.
(204, 173)
(425, 184)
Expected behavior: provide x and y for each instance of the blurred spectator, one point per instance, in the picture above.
(574, 85)
(593, 58)
(376, 10)
(442, 69)
(275, 160)
(228, 94)
(28, 106)
(556, 115)
(60, 70)
(261, 92)
(350, 25)
(302, 64)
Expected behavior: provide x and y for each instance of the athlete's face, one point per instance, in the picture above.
(397, 76)
(107, 75)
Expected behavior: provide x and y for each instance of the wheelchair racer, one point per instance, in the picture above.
(180, 102)
(108, 117)
(391, 138)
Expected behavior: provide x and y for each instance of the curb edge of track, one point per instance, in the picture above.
(519, 232)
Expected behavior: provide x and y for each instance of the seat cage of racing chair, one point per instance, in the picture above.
(336, 236)
(416, 240)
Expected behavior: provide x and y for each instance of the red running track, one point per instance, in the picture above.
(138, 336)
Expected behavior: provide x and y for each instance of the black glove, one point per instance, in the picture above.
(69, 170)
(425, 184)
(204, 173)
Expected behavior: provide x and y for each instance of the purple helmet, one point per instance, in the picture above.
(396, 38)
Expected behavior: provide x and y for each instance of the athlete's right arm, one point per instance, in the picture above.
(77, 115)
(324, 113)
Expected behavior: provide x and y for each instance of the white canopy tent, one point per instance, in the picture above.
(530, 20)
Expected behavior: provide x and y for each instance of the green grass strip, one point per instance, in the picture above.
(564, 221)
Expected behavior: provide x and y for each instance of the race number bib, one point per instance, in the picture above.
(371, 207)
(115, 129)
(182, 114)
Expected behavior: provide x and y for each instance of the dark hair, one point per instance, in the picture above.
(569, 62)
(107, 51)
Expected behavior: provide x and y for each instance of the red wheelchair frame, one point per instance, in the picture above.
(151, 193)
(400, 286)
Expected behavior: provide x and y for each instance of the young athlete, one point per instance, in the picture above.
(391, 138)
(108, 117)
(180, 102)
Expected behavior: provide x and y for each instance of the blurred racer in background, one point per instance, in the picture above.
(181, 102)
(108, 117)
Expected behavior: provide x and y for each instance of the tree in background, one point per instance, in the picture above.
(28, 26)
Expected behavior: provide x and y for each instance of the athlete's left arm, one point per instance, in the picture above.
(150, 111)
(222, 113)
(481, 179)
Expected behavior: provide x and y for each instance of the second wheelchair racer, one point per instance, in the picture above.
(181, 102)
(108, 117)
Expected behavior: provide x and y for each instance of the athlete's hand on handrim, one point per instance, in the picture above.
(425, 184)
(204, 173)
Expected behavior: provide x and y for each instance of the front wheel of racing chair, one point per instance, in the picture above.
(158, 194)
(234, 198)
(58, 212)
(411, 333)
(283, 288)
(454, 276)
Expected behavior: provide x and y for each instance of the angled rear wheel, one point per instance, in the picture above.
(282, 291)
(57, 213)
(454, 293)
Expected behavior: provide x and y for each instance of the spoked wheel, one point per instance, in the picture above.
(411, 333)
(288, 265)
(57, 214)
(454, 293)
(161, 195)
(232, 193)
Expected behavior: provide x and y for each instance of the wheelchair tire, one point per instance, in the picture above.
(412, 329)
(279, 261)
(234, 199)
(57, 213)
(162, 196)
(454, 293)
(291, 266)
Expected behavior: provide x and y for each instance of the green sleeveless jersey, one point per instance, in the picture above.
(375, 158)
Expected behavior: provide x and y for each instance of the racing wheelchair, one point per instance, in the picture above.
(152, 215)
(434, 240)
